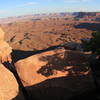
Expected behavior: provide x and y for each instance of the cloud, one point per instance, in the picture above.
(2, 11)
(27, 4)
(76, 1)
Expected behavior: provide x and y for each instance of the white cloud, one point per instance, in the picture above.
(2, 11)
(27, 4)
(76, 1)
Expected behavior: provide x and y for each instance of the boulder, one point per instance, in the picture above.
(53, 74)
(73, 46)
(36, 68)
(86, 39)
(8, 85)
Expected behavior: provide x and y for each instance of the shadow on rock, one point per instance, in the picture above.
(89, 26)
(69, 61)
(75, 85)
(19, 54)
(47, 91)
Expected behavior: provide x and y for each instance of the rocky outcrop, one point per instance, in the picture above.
(73, 46)
(47, 74)
(84, 14)
(9, 88)
(36, 68)
(56, 73)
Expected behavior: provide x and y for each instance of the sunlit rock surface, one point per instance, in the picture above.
(8, 84)
(56, 74)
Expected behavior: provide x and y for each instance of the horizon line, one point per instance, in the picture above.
(49, 13)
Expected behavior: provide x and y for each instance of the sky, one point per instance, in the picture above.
(23, 7)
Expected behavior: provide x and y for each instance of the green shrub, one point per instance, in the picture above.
(94, 43)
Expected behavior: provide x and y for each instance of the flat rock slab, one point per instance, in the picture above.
(57, 74)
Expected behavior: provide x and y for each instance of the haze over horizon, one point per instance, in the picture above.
(22, 7)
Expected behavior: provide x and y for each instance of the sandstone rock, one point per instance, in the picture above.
(73, 46)
(8, 85)
(87, 40)
(55, 72)
(70, 45)
(29, 68)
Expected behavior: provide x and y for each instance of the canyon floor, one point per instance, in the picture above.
(47, 70)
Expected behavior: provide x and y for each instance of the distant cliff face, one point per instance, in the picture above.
(88, 14)
(49, 15)
(84, 14)
(33, 16)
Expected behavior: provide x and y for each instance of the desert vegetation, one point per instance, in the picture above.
(93, 44)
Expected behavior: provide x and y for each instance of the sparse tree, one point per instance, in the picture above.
(93, 44)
